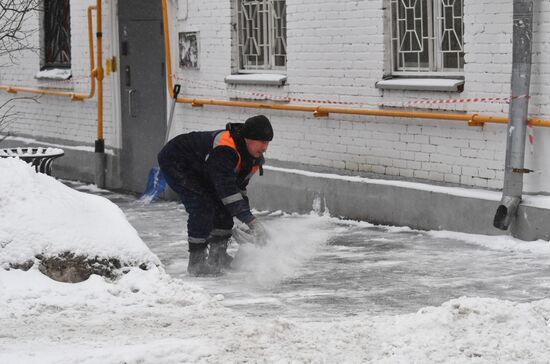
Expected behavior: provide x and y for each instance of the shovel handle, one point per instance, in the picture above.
(177, 88)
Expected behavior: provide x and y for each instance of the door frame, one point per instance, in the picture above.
(119, 88)
(116, 113)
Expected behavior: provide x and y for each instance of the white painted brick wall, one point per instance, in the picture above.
(337, 51)
(57, 117)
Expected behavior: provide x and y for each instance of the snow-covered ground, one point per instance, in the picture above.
(323, 291)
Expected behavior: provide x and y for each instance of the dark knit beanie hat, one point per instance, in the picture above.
(257, 128)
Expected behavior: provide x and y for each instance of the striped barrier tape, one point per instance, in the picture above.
(265, 96)
(467, 100)
(402, 103)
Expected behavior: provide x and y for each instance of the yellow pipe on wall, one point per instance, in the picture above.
(167, 49)
(72, 95)
(91, 51)
(472, 119)
(99, 70)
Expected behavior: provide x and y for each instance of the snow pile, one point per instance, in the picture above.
(147, 317)
(27, 292)
(39, 215)
(99, 321)
(466, 329)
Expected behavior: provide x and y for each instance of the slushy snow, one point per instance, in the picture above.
(150, 317)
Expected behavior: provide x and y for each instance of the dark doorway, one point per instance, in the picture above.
(143, 89)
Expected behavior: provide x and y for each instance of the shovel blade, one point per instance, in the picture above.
(156, 183)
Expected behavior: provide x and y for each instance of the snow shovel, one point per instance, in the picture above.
(156, 183)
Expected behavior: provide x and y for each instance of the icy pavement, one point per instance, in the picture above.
(323, 291)
(319, 267)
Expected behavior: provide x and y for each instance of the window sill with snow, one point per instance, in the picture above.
(422, 84)
(269, 79)
(54, 74)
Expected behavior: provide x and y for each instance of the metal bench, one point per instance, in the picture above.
(39, 157)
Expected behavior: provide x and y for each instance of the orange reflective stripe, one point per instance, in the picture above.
(224, 138)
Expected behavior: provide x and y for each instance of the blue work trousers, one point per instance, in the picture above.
(207, 214)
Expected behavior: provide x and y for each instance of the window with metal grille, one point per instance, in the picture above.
(261, 33)
(427, 36)
(57, 34)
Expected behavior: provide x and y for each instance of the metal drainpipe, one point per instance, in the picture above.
(517, 120)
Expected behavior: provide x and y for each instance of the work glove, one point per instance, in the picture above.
(258, 232)
(255, 234)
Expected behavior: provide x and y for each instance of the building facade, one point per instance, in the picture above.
(451, 56)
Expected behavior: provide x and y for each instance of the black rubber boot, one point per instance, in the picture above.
(217, 255)
(199, 264)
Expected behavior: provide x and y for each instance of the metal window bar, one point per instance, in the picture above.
(427, 36)
(261, 33)
(57, 33)
(278, 18)
(451, 27)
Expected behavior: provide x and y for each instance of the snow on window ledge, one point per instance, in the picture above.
(256, 79)
(422, 84)
(54, 74)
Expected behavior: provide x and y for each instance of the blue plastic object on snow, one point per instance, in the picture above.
(156, 183)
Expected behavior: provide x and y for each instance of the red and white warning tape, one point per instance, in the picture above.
(402, 103)
(265, 96)
(467, 100)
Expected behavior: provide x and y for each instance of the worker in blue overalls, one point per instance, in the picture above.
(210, 170)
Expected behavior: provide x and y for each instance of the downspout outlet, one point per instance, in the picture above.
(506, 212)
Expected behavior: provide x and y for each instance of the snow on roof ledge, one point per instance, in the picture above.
(421, 84)
(54, 74)
(256, 79)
